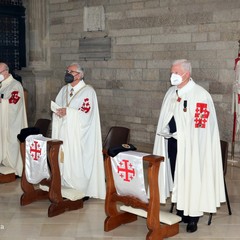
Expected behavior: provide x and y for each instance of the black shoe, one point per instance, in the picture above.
(185, 219)
(192, 227)
(85, 199)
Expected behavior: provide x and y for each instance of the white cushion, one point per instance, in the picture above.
(69, 193)
(6, 170)
(165, 217)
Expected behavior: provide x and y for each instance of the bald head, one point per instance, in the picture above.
(4, 70)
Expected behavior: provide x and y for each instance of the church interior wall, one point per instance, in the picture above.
(146, 36)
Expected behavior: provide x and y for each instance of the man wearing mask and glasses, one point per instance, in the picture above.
(77, 123)
(188, 137)
(12, 119)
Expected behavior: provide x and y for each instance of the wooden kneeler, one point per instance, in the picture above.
(31, 193)
(7, 174)
(115, 218)
(7, 177)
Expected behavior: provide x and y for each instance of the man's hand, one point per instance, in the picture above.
(61, 112)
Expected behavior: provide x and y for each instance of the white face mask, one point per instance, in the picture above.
(176, 79)
(1, 77)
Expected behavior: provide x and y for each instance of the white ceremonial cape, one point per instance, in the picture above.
(12, 119)
(80, 131)
(198, 181)
(236, 101)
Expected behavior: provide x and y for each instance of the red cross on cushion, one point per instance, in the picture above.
(201, 115)
(126, 170)
(35, 150)
(85, 106)
(14, 97)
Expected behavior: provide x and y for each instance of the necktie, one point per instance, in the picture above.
(178, 98)
(71, 92)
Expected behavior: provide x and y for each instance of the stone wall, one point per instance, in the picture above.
(146, 36)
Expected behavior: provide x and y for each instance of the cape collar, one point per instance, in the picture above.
(186, 88)
(80, 85)
(7, 81)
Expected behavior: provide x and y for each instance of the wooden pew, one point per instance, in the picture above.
(55, 194)
(8, 177)
(115, 217)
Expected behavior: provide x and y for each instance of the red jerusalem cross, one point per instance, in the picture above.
(14, 97)
(126, 171)
(35, 151)
(201, 115)
(85, 106)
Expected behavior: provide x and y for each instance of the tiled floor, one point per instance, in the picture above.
(31, 222)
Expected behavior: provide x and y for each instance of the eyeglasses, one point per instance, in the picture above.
(3, 71)
(70, 71)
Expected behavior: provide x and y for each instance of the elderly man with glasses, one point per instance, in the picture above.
(76, 122)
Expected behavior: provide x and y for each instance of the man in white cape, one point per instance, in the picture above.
(76, 122)
(192, 170)
(12, 119)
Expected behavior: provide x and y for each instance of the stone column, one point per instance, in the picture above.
(38, 33)
(37, 74)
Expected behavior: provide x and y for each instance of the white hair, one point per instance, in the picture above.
(186, 65)
(79, 67)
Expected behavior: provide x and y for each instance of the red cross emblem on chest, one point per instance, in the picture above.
(14, 97)
(35, 150)
(126, 170)
(85, 106)
(201, 115)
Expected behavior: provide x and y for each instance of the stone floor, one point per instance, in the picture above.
(31, 222)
